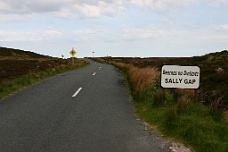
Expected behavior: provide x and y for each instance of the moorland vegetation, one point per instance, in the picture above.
(19, 68)
(201, 124)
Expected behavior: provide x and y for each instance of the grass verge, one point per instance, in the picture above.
(10, 86)
(175, 113)
(185, 121)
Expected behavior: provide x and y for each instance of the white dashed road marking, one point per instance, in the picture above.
(77, 92)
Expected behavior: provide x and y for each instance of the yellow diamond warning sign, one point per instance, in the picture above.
(72, 52)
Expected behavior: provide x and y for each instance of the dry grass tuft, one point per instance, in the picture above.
(142, 78)
(188, 92)
(182, 103)
(121, 65)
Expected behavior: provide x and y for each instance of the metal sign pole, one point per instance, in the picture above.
(72, 52)
(72, 60)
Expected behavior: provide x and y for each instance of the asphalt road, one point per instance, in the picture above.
(87, 110)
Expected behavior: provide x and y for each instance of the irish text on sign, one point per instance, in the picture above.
(183, 77)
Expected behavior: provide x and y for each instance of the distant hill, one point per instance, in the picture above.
(222, 53)
(17, 53)
(15, 63)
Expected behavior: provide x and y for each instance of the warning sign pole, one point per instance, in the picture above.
(73, 52)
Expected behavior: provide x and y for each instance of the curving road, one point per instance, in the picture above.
(87, 110)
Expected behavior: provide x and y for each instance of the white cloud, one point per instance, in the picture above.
(162, 5)
(28, 7)
(64, 13)
(96, 33)
(4, 6)
(85, 35)
(87, 8)
(9, 18)
(142, 32)
(29, 36)
(222, 27)
(219, 2)
(101, 8)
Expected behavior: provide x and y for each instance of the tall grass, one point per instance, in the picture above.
(175, 112)
(142, 79)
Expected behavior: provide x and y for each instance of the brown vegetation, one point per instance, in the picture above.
(15, 63)
(214, 74)
(202, 124)
(142, 78)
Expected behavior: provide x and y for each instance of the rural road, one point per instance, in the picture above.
(86, 110)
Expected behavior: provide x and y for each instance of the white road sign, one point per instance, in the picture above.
(183, 77)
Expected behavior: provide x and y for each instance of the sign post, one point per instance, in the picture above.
(72, 52)
(180, 77)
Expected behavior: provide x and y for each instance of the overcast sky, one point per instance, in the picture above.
(142, 28)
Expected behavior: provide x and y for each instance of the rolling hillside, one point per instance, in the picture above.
(10, 53)
(15, 63)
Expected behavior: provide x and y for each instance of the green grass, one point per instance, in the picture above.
(192, 124)
(181, 119)
(10, 86)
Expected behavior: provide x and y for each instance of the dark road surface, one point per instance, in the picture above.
(56, 116)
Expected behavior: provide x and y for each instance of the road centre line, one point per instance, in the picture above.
(94, 73)
(77, 92)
